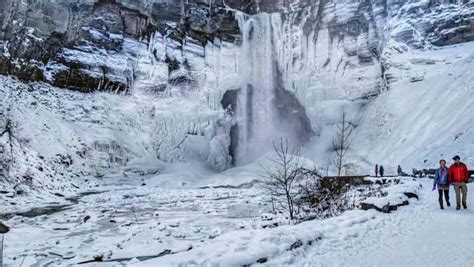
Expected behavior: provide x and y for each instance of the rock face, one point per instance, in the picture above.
(269, 6)
(40, 40)
(71, 45)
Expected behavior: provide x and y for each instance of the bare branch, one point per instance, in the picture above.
(281, 176)
(342, 143)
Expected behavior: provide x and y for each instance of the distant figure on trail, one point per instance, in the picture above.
(399, 170)
(381, 170)
(376, 170)
(442, 182)
(458, 175)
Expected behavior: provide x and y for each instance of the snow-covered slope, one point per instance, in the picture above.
(427, 113)
(62, 140)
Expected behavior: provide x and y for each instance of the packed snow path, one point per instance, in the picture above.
(420, 234)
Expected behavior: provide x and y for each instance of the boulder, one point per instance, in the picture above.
(385, 209)
(3, 228)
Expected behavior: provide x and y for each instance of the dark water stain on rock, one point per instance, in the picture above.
(290, 112)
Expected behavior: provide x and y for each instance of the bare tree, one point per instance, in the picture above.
(282, 176)
(342, 143)
(300, 190)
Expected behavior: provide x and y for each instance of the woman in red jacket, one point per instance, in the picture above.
(459, 176)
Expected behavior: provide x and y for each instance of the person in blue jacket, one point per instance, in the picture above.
(442, 182)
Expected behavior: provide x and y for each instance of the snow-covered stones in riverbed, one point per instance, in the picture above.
(396, 195)
(120, 223)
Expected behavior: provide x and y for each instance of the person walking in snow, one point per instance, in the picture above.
(399, 170)
(458, 175)
(376, 170)
(381, 170)
(442, 182)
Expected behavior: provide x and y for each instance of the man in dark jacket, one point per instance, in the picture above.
(459, 175)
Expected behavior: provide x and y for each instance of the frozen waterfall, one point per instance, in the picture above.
(256, 112)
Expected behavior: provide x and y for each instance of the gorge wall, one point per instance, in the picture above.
(70, 44)
(172, 62)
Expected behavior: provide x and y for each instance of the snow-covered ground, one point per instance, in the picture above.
(135, 223)
(420, 234)
(129, 221)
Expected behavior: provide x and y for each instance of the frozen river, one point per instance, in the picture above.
(122, 222)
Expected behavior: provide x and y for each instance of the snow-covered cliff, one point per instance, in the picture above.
(170, 69)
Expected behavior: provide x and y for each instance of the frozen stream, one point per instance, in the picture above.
(121, 222)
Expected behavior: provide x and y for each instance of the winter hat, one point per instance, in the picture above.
(456, 157)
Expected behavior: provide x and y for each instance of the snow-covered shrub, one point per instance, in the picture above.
(321, 197)
(308, 195)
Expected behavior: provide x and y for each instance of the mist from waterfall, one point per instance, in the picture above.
(256, 115)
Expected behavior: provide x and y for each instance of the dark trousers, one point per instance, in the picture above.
(446, 196)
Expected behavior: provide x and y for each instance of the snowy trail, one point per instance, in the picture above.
(418, 235)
